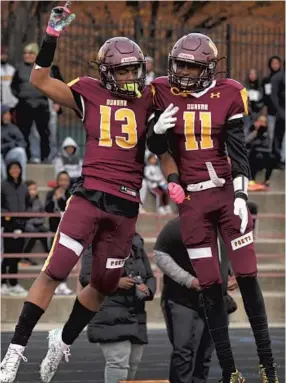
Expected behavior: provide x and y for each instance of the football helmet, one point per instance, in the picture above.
(193, 48)
(121, 52)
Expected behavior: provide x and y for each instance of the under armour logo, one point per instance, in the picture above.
(188, 197)
(217, 95)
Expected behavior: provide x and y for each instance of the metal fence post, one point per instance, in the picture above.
(228, 49)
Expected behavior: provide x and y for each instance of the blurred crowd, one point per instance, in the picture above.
(29, 134)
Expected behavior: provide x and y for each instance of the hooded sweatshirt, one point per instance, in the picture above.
(14, 198)
(11, 137)
(266, 87)
(71, 163)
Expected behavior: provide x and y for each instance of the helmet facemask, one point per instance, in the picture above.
(189, 83)
(125, 88)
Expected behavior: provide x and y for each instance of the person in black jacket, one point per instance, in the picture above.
(182, 306)
(14, 198)
(32, 105)
(278, 101)
(120, 325)
(35, 224)
(259, 155)
(12, 143)
(274, 65)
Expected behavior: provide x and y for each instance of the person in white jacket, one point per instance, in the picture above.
(157, 184)
(7, 73)
(69, 160)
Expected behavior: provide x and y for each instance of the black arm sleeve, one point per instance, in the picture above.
(236, 148)
(77, 99)
(156, 143)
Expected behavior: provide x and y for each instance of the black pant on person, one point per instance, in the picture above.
(25, 116)
(30, 243)
(278, 139)
(191, 341)
(259, 160)
(10, 265)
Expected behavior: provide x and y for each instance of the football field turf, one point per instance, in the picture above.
(86, 362)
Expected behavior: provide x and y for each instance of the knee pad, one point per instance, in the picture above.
(108, 281)
(64, 255)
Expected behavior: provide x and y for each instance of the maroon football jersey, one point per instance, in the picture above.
(199, 135)
(115, 138)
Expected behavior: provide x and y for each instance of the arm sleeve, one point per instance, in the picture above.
(156, 143)
(75, 87)
(276, 83)
(236, 147)
(169, 267)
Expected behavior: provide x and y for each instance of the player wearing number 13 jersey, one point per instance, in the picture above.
(103, 209)
(201, 118)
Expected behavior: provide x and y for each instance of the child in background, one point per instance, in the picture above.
(157, 184)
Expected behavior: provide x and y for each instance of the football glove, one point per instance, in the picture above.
(166, 120)
(240, 185)
(60, 19)
(176, 192)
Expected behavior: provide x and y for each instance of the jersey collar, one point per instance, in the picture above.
(199, 94)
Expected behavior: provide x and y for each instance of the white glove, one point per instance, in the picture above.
(166, 120)
(240, 209)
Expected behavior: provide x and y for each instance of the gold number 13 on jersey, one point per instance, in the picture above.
(206, 126)
(129, 127)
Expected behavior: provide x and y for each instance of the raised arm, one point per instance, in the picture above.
(54, 89)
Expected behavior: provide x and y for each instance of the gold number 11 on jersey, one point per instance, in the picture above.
(129, 128)
(206, 126)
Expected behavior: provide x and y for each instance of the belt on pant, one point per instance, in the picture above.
(214, 181)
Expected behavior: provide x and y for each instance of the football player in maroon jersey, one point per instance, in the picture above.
(203, 116)
(103, 209)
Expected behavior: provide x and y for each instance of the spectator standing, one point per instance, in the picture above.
(274, 65)
(278, 101)
(68, 160)
(157, 184)
(12, 143)
(35, 224)
(7, 73)
(260, 156)
(253, 87)
(150, 75)
(182, 308)
(14, 198)
(56, 203)
(33, 106)
(120, 325)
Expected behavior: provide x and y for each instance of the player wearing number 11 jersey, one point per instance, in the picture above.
(103, 210)
(202, 117)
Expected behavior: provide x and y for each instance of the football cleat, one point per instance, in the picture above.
(235, 377)
(57, 349)
(268, 374)
(11, 362)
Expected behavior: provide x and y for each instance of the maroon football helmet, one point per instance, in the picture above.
(119, 52)
(197, 49)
